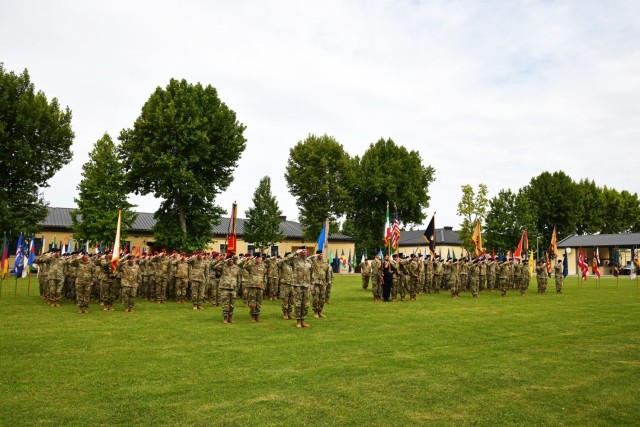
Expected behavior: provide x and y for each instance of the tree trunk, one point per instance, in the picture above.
(183, 220)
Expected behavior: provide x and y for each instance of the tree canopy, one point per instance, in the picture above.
(472, 208)
(101, 194)
(36, 139)
(262, 225)
(183, 149)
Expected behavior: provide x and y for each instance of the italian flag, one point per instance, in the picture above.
(387, 228)
(116, 245)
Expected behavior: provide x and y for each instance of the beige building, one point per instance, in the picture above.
(57, 226)
(447, 242)
(605, 245)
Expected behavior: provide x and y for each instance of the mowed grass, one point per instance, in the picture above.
(570, 359)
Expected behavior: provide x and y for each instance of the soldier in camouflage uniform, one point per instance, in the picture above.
(161, 277)
(558, 273)
(474, 276)
(228, 284)
(255, 286)
(319, 278)
(214, 278)
(396, 288)
(69, 287)
(85, 278)
(413, 272)
(181, 271)
(503, 277)
(438, 272)
(129, 275)
(376, 278)
(365, 273)
(43, 274)
(452, 278)
(428, 275)
(327, 299)
(421, 282)
(55, 277)
(482, 264)
(272, 278)
(491, 274)
(301, 273)
(107, 281)
(463, 273)
(198, 276)
(286, 289)
(525, 277)
(541, 276)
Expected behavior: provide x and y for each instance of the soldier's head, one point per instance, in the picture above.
(257, 258)
(319, 253)
(129, 259)
(85, 256)
(229, 260)
(395, 257)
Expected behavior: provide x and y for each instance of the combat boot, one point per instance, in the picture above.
(225, 320)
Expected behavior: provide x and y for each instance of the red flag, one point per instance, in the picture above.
(116, 245)
(523, 245)
(4, 265)
(596, 264)
(553, 247)
(584, 268)
(231, 232)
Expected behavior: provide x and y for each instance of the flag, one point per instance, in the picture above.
(43, 245)
(616, 262)
(596, 264)
(70, 246)
(395, 231)
(349, 259)
(32, 254)
(523, 245)
(553, 247)
(323, 239)
(546, 255)
(430, 235)
(54, 243)
(583, 265)
(18, 265)
(387, 228)
(116, 245)
(448, 255)
(565, 266)
(453, 252)
(476, 238)
(232, 244)
(4, 265)
(342, 259)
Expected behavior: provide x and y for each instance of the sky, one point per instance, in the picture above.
(492, 92)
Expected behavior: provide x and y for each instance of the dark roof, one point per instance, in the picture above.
(604, 240)
(444, 236)
(60, 218)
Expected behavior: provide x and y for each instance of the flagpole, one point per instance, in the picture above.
(29, 288)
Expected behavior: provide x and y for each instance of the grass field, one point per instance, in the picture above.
(570, 359)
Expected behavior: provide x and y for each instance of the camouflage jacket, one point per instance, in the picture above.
(198, 270)
(301, 270)
(319, 272)
(229, 276)
(365, 268)
(85, 270)
(286, 272)
(257, 274)
(181, 269)
(128, 275)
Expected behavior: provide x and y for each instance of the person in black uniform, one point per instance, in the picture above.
(387, 279)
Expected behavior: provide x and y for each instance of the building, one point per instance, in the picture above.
(57, 227)
(604, 245)
(447, 241)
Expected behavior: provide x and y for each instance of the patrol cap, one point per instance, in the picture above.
(229, 256)
(318, 252)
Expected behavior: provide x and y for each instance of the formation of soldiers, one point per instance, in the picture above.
(202, 277)
(405, 277)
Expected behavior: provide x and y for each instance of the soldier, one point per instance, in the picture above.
(144, 291)
(129, 274)
(558, 271)
(365, 272)
(161, 277)
(420, 261)
(69, 287)
(438, 271)
(228, 284)
(474, 276)
(255, 285)
(181, 272)
(327, 299)
(319, 279)
(387, 279)
(429, 275)
(55, 267)
(452, 278)
(107, 281)
(272, 278)
(286, 290)
(491, 274)
(503, 277)
(541, 276)
(301, 280)
(483, 273)
(43, 274)
(198, 275)
(85, 277)
(376, 278)
(413, 273)
(396, 287)
(464, 274)
(214, 278)
(525, 277)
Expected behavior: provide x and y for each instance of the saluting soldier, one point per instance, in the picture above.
(365, 273)
(558, 272)
(301, 268)
(255, 286)
(198, 273)
(228, 285)
(85, 277)
(376, 278)
(181, 272)
(129, 275)
(286, 289)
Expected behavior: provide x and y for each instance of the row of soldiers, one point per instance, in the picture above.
(161, 276)
(412, 275)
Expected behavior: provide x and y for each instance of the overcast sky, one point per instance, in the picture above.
(487, 91)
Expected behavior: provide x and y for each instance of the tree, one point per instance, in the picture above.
(36, 138)
(319, 175)
(387, 173)
(101, 194)
(183, 149)
(590, 215)
(262, 226)
(555, 201)
(508, 216)
(472, 208)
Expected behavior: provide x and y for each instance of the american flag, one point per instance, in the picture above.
(395, 234)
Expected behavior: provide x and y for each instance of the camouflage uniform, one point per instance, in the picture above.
(161, 277)
(69, 287)
(474, 276)
(255, 286)
(503, 277)
(429, 276)
(214, 280)
(413, 274)
(395, 280)
(301, 279)
(228, 283)
(319, 278)
(145, 277)
(452, 278)
(463, 272)
(198, 275)
(421, 281)
(438, 271)
(181, 271)
(558, 272)
(43, 273)
(85, 276)
(329, 285)
(376, 278)
(55, 278)
(107, 281)
(491, 275)
(365, 272)
(541, 277)
(272, 279)
(129, 275)
(286, 289)
(483, 275)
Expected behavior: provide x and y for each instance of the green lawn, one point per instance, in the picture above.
(570, 359)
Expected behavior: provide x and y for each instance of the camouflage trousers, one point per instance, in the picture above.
(83, 293)
(524, 285)
(319, 294)
(107, 291)
(413, 286)
(503, 285)
(160, 290)
(376, 284)
(463, 285)
(55, 289)
(491, 282)
(421, 283)
(254, 299)
(453, 287)
(129, 296)
(428, 283)
(197, 293)
(143, 289)
(475, 285)
(328, 291)
(181, 287)
(44, 286)
(227, 299)
(213, 292)
(69, 287)
(286, 293)
(559, 284)
(542, 285)
(397, 287)
(483, 282)
(300, 301)
(365, 282)
(273, 287)
(437, 283)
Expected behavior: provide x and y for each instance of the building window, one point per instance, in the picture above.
(223, 248)
(274, 250)
(251, 249)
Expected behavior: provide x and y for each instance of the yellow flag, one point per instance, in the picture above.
(476, 238)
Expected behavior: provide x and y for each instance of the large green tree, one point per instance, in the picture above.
(387, 172)
(591, 207)
(319, 175)
(472, 208)
(36, 138)
(262, 226)
(101, 194)
(508, 216)
(183, 149)
(555, 200)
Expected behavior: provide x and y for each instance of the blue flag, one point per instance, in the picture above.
(18, 265)
(565, 266)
